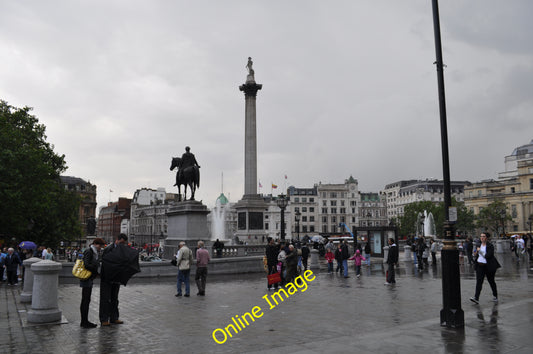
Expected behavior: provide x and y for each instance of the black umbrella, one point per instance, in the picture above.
(120, 264)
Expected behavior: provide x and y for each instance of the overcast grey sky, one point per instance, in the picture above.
(349, 88)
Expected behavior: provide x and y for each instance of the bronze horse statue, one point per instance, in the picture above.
(188, 176)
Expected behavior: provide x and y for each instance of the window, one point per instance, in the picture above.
(514, 213)
(324, 203)
(324, 210)
(324, 219)
(296, 200)
(333, 203)
(296, 209)
(353, 218)
(304, 228)
(333, 195)
(353, 203)
(512, 190)
(343, 219)
(343, 210)
(334, 219)
(304, 218)
(342, 202)
(304, 200)
(531, 183)
(311, 209)
(311, 200)
(333, 210)
(304, 209)
(311, 218)
(312, 228)
(266, 226)
(324, 228)
(353, 210)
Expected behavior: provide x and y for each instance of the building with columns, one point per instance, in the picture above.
(399, 194)
(514, 188)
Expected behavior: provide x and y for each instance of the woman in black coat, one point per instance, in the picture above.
(91, 261)
(486, 265)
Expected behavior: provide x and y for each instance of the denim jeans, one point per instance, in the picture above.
(367, 256)
(345, 266)
(183, 277)
(330, 267)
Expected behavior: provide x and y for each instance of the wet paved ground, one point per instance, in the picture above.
(334, 315)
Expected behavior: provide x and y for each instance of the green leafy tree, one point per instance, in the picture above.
(33, 205)
(465, 218)
(493, 217)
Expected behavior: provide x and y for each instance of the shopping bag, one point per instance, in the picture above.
(274, 278)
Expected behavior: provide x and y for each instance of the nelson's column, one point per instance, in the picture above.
(251, 208)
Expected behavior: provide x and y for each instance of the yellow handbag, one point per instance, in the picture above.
(79, 270)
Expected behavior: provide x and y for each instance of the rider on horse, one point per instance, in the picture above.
(187, 160)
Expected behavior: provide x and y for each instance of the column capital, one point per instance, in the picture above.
(250, 89)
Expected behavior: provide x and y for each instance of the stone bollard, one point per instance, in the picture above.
(499, 246)
(25, 296)
(385, 254)
(44, 307)
(407, 253)
(314, 259)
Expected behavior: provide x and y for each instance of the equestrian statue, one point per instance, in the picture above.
(188, 173)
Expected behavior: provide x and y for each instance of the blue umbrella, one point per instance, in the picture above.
(27, 245)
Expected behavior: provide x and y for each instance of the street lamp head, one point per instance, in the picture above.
(297, 215)
(282, 201)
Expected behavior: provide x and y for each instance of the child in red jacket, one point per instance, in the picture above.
(330, 257)
(357, 257)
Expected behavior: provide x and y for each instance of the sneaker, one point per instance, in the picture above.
(177, 295)
(187, 295)
(358, 275)
(387, 283)
(474, 300)
(495, 299)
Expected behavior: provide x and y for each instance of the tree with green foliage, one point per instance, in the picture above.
(33, 206)
(493, 217)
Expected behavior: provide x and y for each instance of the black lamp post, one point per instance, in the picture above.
(451, 315)
(297, 217)
(282, 204)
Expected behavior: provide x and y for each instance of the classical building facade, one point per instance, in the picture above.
(515, 189)
(87, 193)
(372, 210)
(148, 215)
(399, 194)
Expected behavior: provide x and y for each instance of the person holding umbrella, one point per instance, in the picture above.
(119, 263)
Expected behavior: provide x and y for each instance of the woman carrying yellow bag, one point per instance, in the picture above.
(91, 260)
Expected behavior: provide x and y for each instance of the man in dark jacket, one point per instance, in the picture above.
(109, 290)
(305, 255)
(392, 259)
(345, 255)
(292, 263)
(12, 262)
(271, 253)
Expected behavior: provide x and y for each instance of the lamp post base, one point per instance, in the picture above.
(451, 315)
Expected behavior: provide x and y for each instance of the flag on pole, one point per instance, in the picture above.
(285, 176)
(274, 186)
(260, 185)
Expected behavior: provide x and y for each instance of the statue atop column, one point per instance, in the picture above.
(251, 72)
